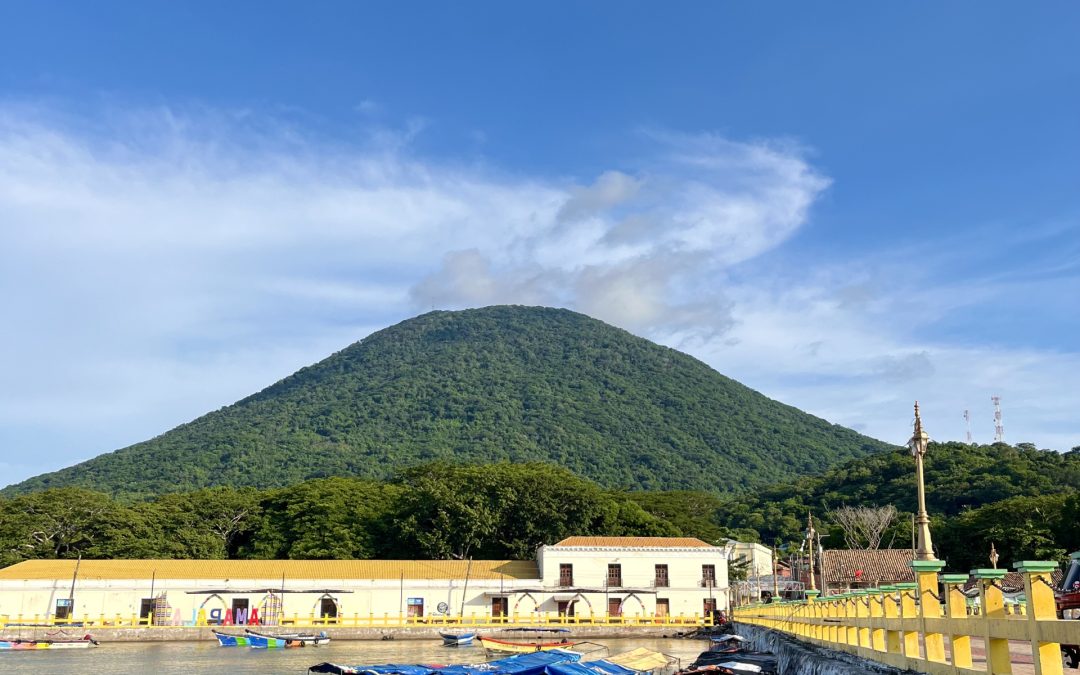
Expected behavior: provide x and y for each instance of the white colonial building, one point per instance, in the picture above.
(577, 579)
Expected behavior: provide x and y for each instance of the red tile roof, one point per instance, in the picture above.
(881, 566)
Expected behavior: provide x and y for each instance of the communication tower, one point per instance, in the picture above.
(999, 428)
(967, 424)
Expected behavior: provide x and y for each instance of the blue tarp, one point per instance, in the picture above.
(533, 663)
(590, 668)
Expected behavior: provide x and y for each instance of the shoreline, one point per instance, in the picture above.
(343, 634)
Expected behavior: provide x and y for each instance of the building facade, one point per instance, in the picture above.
(579, 577)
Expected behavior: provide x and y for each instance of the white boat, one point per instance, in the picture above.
(457, 639)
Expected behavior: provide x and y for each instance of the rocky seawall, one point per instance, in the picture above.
(800, 658)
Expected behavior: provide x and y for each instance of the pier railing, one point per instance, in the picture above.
(925, 626)
(532, 619)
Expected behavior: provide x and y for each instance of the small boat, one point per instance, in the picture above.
(48, 643)
(457, 639)
(230, 640)
(537, 640)
(285, 640)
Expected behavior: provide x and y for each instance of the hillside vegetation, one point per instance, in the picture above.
(506, 510)
(514, 384)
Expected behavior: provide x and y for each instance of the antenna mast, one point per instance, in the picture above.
(967, 424)
(999, 428)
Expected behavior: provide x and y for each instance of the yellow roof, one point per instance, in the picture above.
(272, 569)
(635, 542)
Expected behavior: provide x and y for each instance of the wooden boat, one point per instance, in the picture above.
(457, 639)
(285, 640)
(535, 640)
(230, 640)
(84, 642)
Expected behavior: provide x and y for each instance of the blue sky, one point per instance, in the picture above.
(845, 206)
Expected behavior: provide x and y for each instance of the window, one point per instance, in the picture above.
(661, 579)
(566, 574)
(614, 574)
(708, 575)
(499, 606)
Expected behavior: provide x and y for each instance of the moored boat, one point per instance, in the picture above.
(533, 640)
(48, 643)
(457, 639)
(285, 640)
(230, 640)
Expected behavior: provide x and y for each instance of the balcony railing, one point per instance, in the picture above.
(708, 582)
(566, 581)
(614, 582)
(661, 582)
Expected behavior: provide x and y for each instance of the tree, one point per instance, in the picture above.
(863, 526)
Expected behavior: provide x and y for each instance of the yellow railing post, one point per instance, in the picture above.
(851, 631)
(926, 576)
(877, 619)
(998, 659)
(1040, 596)
(956, 610)
(862, 611)
(908, 610)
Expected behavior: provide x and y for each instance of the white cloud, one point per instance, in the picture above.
(157, 265)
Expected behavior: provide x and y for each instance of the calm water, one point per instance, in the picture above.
(174, 658)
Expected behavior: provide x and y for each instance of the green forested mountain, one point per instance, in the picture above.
(514, 384)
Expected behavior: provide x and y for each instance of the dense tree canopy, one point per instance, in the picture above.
(442, 510)
(515, 384)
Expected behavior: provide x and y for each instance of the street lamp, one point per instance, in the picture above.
(810, 549)
(917, 445)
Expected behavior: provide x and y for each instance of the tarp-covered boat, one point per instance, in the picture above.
(535, 663)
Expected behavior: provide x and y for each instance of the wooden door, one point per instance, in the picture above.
(663, 607)
(614, 607)
(499, 606)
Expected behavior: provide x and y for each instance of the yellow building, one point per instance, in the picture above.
(579, 577)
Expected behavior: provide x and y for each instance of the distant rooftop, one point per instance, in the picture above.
(635, 542)
(272, 569)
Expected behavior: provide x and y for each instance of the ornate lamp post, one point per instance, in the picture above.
(993, 555)
(810, 548)
(917, 444)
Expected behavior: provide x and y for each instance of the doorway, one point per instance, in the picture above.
(614, 607)
(499, 606)
(328, 609)
(415, 608)
(146, 608)
(663, 608)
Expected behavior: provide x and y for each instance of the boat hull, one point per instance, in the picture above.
(520, 647)
(458, 639)
(45, 644)
(227, 640)
(286, 641)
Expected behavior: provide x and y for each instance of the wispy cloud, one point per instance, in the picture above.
(155, 265)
